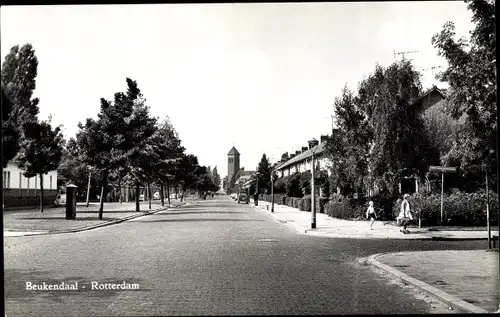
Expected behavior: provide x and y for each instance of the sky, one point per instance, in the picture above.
(258, 76)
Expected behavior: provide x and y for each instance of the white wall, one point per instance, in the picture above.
(17, 180)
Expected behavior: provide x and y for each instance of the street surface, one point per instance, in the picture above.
(214, 257)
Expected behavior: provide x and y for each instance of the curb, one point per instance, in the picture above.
(453, 301)
(109, 223)
(312, 232)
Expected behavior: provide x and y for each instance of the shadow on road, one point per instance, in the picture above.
(198, 213)
(64, 218)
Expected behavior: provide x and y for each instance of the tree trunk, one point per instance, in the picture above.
(137, 194)
(162, 197)
(183, 192)
(149, 195)
(103, 192)
(41, 192)
(120, 190)
(168, 192)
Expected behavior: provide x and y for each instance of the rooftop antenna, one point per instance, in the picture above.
(403, 53)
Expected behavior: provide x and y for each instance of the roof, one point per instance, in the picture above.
(318, 149)
(233, 151)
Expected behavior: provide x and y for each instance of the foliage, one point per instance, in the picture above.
(264, 174)
(388, 97)
(216, 179)
(348, 146)
(471, 75)
(305, 182)
(10, 132)
(460, 209)
(19, 71)
(293, 188)
(40, 150)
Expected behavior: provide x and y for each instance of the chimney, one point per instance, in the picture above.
(297, 152)
(323, 138)
(312, 143)
(284, 156)
(292, 155)
(304, 148)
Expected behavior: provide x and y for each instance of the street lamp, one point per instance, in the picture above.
(88, 185)
(313, 202)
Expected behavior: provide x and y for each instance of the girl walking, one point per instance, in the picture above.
(371, 214)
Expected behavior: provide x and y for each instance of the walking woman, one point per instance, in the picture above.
(405, 214)
(371, 214)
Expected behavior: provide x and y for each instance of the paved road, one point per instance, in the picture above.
(213, 257)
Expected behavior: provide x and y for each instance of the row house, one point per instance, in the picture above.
(301, 161)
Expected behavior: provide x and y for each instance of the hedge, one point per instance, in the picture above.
(460, 209)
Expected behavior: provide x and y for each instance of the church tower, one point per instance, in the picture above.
(233, 162)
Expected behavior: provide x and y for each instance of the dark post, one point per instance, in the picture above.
(71, 201)
(313, 202)
(272, 191)
(488, 212)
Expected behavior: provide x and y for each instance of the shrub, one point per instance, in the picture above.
(293, 186)
(322, 201)
(305, 182)
(306, 203)
(460, 209)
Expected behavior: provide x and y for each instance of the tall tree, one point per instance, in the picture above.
(349, 145)
(388, 97)
(471, 75)
(40, 151)
(216, 179)
(19, 71)
(10, 132)
(264, 174)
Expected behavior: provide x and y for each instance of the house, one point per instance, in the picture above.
(21, 191)
(300, 161)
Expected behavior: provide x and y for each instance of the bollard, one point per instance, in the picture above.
(267, 207)
(71, 201)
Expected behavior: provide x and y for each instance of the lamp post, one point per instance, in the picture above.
(313, 203)
(272, 190)
(88, 186)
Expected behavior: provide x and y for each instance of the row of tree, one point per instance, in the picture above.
(124, 145)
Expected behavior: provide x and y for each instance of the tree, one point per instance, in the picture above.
(216, 179)
(169, 151)
(19, 71)
(40, 151)
(264, 174)
(349, 145)
(471, 74)
(388, 98)
(185, 172)
(10, 132)
(109, 142)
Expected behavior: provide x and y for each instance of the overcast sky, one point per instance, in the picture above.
(260, 77)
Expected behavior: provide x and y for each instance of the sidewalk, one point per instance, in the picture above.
(53, 220)
(467, 281)
(360, 229)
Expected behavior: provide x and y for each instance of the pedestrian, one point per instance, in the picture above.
(405, 214)
(371, 214)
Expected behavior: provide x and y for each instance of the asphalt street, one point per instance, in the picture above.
(214, 257)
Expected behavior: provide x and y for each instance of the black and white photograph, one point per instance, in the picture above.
(250, 158)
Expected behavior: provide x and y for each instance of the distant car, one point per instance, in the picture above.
(156, 195)
(234, 196)
(60, 200)
(243, 197)
(141, 197)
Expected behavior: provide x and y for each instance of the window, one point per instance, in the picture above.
(230, 160)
